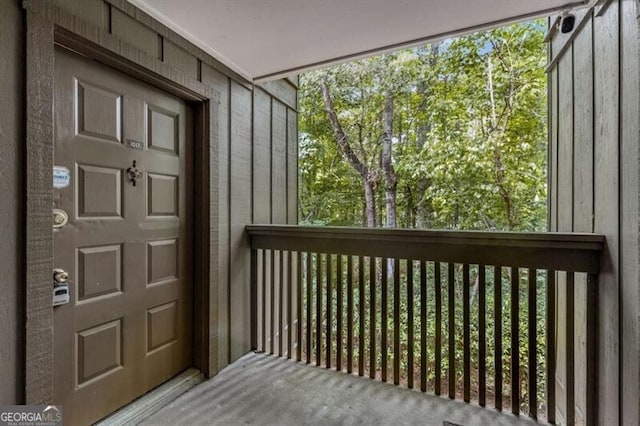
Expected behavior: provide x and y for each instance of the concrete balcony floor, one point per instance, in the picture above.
(265, 390)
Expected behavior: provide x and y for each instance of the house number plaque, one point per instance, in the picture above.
(135, 144)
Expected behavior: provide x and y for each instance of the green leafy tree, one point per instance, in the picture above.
(451, 135)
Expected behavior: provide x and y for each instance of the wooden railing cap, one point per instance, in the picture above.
(542, 250)
(588, 241)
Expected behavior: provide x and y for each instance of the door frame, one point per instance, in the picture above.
(47, 27)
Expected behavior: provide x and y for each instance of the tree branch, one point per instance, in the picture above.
(341, 137)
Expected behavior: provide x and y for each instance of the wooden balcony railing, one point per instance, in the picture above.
(468, 314)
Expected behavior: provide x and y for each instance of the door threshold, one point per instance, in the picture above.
(139, 409)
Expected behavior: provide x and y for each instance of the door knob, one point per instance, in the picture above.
(60, 276)
(134, 173)
(60, 218)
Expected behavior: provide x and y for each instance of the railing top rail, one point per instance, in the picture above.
(543, 250)
(589, 241)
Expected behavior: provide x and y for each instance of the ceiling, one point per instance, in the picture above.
(266, 39)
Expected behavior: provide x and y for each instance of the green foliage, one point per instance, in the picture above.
(469, 152)
(469, 133)
(492, 305)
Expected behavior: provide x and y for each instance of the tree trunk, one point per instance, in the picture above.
(391, 180)
(504, 192)
(368, 177)
(424, 210)
(370, 202)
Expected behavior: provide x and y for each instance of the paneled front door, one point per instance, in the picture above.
(127, 243)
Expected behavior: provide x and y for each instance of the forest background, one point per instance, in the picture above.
(450, 135)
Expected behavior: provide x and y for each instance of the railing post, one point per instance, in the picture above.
(591, 416)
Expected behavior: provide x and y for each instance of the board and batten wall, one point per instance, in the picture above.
(593, 187)
(258, 180)
(12, 117)
(256, 174)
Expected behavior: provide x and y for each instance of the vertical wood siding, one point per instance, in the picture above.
(582, 189)
(564, 211)
(278, 162)
(250, 143)
(11, 209)
(257, 180)
(262, 157)
(629, 194)
(292, 167)
(135, 33)
(607, 202)
(593, 166)
(222, 84)
(240, 215)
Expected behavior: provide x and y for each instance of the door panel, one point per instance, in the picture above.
(127, 248)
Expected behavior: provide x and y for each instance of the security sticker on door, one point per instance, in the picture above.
(61, 177)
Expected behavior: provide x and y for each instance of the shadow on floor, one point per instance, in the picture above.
(262, 389)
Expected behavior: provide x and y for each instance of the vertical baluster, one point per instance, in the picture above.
(466, 320)
(339, 313)
(329, 305)
(410, 324)
(372, 317)
(570, 361)
(272, 306)
(452, 330)
(361, 305)
(281, 315)
(264, 301)
(497, 320)
(591, 415)
(423, 326)
(290, 304)
(550, 332)
(533, 372)
(299, 307)
(515, 341)
(349, 314)
(438, 337)
(396, 322)
(318, 308)
(482, 337)
(254, 299)
(309, 306)
(383, 317)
